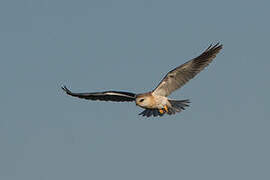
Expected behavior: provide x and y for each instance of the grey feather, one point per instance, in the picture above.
(179, 76)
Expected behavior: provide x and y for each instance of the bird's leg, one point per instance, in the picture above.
(163, 110)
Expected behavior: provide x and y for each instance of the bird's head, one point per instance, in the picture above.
(144, 100)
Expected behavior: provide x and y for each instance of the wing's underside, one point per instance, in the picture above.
(117, 96)
(150, 112)
(179, 76)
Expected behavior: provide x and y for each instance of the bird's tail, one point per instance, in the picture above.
(178, 105)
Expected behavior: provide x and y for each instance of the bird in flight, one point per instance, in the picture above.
(156, 102)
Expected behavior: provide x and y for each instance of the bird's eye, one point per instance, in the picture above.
(141, 100)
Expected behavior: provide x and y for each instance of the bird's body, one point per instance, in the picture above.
(148, 100)
(156, 102)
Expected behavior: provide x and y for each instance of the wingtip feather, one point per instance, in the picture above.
(64, 88)
(218, 46)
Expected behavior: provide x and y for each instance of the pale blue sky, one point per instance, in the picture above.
(97, 45)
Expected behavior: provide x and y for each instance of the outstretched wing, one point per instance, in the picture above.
(179, 76)
(103, 96)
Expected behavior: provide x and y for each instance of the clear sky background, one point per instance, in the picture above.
(97, 45)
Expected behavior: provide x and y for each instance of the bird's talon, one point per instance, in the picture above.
(161, 111)
(166, 108)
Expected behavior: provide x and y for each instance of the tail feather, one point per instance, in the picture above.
(179, 105)
(176, 106)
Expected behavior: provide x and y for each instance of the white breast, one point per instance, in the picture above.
(161, 101)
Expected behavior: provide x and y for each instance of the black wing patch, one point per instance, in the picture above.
(150, 112)
(118, 96)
